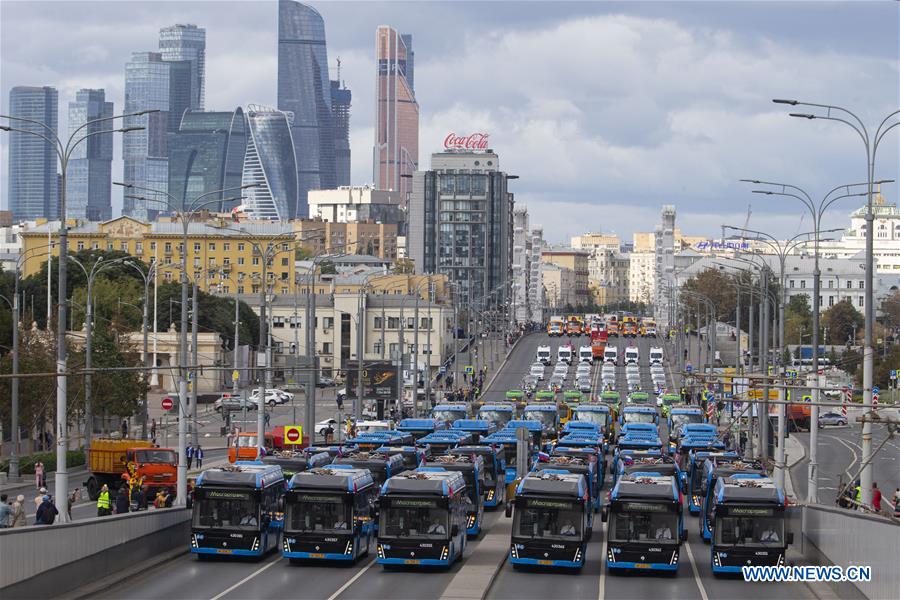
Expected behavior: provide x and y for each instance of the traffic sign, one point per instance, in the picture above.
(167, 403)
(293, 434)
(470, 370)
(689, 367)
(893, 374)
(235, 375)
(442, 369)
(875, 389)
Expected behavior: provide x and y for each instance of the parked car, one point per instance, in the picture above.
(230, 403)
(326, 382)
(322, 426)
(831, 418)
(274, 397)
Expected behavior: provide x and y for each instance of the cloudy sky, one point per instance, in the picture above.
(606, 110)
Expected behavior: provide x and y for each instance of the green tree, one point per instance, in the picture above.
(404, 266)
(797, 319)
(841, 320)
(117, 391)
(216, 314)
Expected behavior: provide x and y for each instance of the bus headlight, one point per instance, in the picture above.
(286, 545)
(194, 541)
(445, 551)
(471, 521)
(255, 544)
(716, 561)
(490, 495)
(609, 555)
(781, 560)
(349, 547)
(380, 549)
(513, 551)
(674, 559)
(578, 555)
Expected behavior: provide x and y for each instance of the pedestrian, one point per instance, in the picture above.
(38, 474)
(103, 502)
(189, 453)
(5, 512)
(876, 497)
(727, 439)
(46, 512)
(897, 502)
(141, 499)
(71, 500)
(153, 429)
(743, 441)
(17, 518)
(198, 454)
(123, 502)
(124, 428)
(857, 494)
(266, 417)
(162, 498)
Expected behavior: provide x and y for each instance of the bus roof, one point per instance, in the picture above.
(684, 410)
(542, 407)
(418, 424)
(645, 486)
(472, 425)
(336, 477)
(370, 459)
(552, 482)
(524, 424)
(431, 482)
(243, 474)
(751, 489)
(592, 408)
(639, 408)
(501, 406)
(451, 406)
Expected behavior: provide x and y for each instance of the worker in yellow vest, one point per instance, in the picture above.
(103, 505)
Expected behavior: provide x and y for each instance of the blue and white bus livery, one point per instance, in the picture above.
(449, 412)
(329, 514)
(497, 413)
(237, 510)
(715, 469)
(477, 428)
(419, 428)
(422, 519)
(694, 475)
(472, 468)
(494, 471)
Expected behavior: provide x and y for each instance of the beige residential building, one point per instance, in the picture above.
(559, 286)
(577, 262)
(595, 241)
(642, 276)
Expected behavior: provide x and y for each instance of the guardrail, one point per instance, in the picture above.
(45, 561)
(846, 538)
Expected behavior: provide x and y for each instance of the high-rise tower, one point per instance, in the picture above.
(33, 183)
(187, 42)
(89, 177)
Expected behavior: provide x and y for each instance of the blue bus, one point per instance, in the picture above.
(646, 523)
(648, 461)
(748, 525)
(578, 461)
(237, 510)
(476, 427)
(535, 428)
(292, 463)
(412, 455)
(448, 412)
(682, 415)
(371, 440)
(693, 475)
(638, 413)
(593, 442)
(381, 466)
(329, 514)
(444, 441)
(419, 428)
(552, 520)
(498, 413)
(472, 468)
(494, 471)
(715, 469)
(505, 440)
(422, 519)
(546, 414)
(598, 414)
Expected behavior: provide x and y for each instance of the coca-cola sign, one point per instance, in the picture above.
(473, 141)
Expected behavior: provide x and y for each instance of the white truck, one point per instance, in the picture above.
(656, 355)
(585, 355)
(632, 355)
(564, 354)
(611, 355)
(543, 355)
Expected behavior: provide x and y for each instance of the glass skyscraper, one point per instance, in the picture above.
(187, 42)
(340, 111)
(33, 182)
(270, 163)
(207, 154)
(89, 176)
(396, 112)
(304, 89)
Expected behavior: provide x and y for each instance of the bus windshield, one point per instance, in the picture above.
(156, 456)
(592, 416)
(639, 417)
(683, 419)
(226, 509)
(246, 441)
(318, 512)
(749, 530)
(546, 418)
(449, 415)
(643, 522)
(413, 518)
(500, 417)
(550, 519)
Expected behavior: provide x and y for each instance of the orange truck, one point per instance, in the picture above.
(598, 344)
(629, 327)
(574, 326)
(556, 326)
(244, 445)
(612, 326)
(109, 460)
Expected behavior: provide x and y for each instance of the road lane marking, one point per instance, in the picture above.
(601, 586)
(350, 582)
(275, 561)
(696, 572)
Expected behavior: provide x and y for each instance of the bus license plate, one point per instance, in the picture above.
(220, 551)
(315, 555)
(641, 565)
(411, 561)
(545, 562)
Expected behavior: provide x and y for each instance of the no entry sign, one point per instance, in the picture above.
(293, 434)
(167, 403)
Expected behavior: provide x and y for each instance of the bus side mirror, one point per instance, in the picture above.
(684, 535)
(604, 514)
(454, 530)
(509, 509)
(790, 538)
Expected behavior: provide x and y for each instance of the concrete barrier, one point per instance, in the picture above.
(846, 538)
(43, 562)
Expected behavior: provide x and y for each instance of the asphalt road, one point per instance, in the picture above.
(273, 577)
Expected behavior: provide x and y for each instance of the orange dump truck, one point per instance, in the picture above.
(109, 460)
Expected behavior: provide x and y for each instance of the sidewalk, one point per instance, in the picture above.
(481, 566)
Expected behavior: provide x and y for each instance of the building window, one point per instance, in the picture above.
(212, 247)
(426, 348)
(284, 262)
(849, 284)
(109, 246)
(376, 348)
(255, 261)
(240, 260)
(226, 261)
(326, 348)
(379, 323)
(328, 322)
(226, 247)
(393, 323)
(425, 323)
(123, 246)
(278, 347)
(241, 247)
(240, 289)
(168, 248)
(394, 350)
(167, 275)
(254, 289)
(830, 284)
(212, 261)
(803, 283)
(830, 300)
(196, 246)
(80, 245)
(861, 300)
(196, 262)
(862, 284)
(410, 322)
(278, 322)
(226, 289)
(139, 247)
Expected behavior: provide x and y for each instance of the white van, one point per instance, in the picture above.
(656, 356)
(585, 355)
(632, 355)
(564, 354)
(611, 355)
(543, 355)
